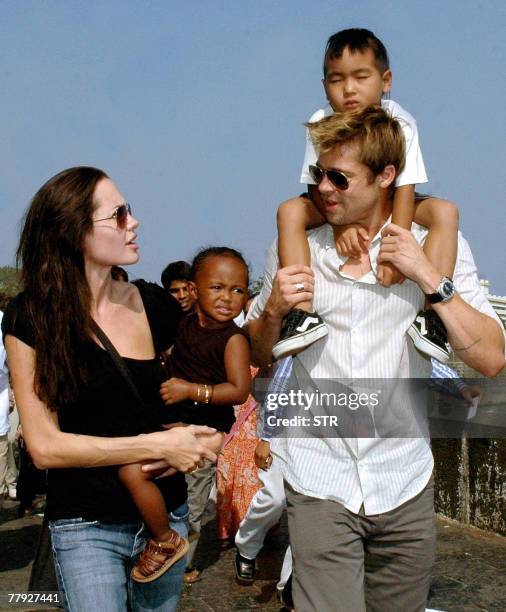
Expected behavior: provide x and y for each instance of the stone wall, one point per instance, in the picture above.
(470, 471)
(470, 478)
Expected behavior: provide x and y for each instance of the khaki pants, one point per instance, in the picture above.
(345, 562)
(199, 487)
(8, 472)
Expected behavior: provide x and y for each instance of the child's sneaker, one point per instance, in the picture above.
(298, 331)
(429, 335)
(158, 557)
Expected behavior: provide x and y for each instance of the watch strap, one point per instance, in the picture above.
(438, 295)
(434, 298)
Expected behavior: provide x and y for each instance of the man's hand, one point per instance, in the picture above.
(286, 291)
(470, 392)
(400, 248)
(263, 457)
(175, 390)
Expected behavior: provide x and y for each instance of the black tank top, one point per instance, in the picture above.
(106, 407)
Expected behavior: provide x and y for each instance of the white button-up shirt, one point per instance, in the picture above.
(366, 339)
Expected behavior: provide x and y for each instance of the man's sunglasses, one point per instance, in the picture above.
(337, 178)
(120, 215)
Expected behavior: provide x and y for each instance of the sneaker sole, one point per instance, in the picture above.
(244, 581)
(165, 567)
(291, 346)
(426, 346)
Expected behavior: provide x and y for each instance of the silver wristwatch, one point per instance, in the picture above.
(444, 291)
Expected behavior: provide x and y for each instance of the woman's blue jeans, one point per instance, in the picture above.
(93, 561)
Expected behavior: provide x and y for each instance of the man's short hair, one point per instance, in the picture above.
(356, 39)
(378, 137)
(176, 270)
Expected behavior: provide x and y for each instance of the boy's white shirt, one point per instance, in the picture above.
(414, 169)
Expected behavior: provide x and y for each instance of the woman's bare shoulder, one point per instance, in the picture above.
(128, 295)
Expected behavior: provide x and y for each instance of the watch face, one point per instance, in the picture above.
(447, 289)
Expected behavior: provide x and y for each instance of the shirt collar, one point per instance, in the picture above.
(374, 247)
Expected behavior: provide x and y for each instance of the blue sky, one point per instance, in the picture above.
(196, 110)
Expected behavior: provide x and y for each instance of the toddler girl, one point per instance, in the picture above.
(209, 369)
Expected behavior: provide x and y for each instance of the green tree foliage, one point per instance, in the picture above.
(10, 284)
(256, 286)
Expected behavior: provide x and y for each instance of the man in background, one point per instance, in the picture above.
(176, 280)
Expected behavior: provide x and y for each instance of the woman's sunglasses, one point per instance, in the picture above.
(120, 215)
(336, 177)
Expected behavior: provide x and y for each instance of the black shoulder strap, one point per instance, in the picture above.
(118, 361)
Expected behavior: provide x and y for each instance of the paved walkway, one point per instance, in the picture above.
(470, 573)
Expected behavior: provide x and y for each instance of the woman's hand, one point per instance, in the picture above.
(182, 449)
(175, 390)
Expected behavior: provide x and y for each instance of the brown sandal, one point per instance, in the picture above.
(158, 557)
(192, 575)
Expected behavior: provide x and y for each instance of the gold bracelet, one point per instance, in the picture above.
(211, 394)
(198, 394)
(208, 395)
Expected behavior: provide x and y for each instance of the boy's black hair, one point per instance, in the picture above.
(176, 270)
(356, 39)
(215, 251)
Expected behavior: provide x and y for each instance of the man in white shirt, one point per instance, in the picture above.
(361, 512)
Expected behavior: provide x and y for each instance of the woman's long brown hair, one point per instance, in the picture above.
(50, 255)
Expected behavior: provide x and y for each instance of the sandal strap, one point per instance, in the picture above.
(155, 554)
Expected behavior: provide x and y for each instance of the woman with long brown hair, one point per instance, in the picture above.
(79, 414)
